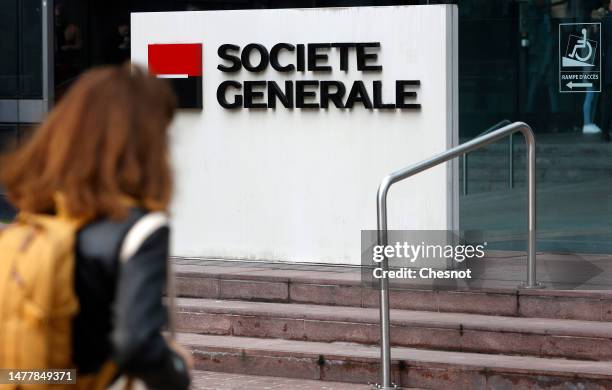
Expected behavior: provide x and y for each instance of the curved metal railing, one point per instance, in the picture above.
(412, 170)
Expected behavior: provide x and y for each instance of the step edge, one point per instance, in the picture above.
(527, 325)
(573, 294)
(562, 370)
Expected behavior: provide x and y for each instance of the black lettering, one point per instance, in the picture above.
(300, 57)
(274, 92)
(274, 52)
(221, 92)
(301, 94)
(378, 97)
(250, 94)
(313, 57)
(224, 54)
(264, 58)
(344, 50)
(358, 94)
(335, 97)
(401, 94)
(363, 57)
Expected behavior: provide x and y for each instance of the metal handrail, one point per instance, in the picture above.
(464, 160)
(412, 170)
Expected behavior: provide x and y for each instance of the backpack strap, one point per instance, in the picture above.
(140, 231)
(134, 239)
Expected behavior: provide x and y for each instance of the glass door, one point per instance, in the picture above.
(24, 74)
(511, 67)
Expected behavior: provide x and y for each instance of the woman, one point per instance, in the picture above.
(103, 152)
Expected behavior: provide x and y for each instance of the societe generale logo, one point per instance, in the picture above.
(181, 64)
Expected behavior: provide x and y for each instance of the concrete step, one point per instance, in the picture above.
(347, 362)
(587, 340)
(341, 286)
(209, 380)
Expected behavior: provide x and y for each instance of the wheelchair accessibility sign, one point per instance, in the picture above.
(580, 57)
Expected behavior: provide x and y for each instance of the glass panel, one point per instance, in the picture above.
(509, 69)
(30, 44)
(71, 42)
(9, 137)
(8, 47)
(21, 48)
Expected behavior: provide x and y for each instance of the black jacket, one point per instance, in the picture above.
(121, 312)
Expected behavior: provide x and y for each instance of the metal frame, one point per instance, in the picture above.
(412, 170)
(48, 44)
(33, 110)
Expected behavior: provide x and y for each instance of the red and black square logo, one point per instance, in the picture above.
(181, 64)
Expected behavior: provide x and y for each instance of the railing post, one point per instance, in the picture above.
(531, 282)
(385, 327)
(511, 161)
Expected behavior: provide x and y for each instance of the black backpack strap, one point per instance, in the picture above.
(102, 239)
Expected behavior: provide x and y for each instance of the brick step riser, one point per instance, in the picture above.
(406, 374)
(461, 340)
(503, 304)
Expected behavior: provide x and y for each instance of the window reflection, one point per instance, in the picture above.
(509, 69)
(69, 49)
(8, 45)
(30, 49)
(21, 48)
(11, 135)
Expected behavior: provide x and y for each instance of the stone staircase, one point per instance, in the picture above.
(321, 323)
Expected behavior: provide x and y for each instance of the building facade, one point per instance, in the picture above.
(509, 69)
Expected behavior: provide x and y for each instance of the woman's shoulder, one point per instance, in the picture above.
(103, 237)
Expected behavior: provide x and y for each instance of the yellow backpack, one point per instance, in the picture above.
(37, 298)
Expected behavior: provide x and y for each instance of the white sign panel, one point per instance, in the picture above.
(302, 113)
